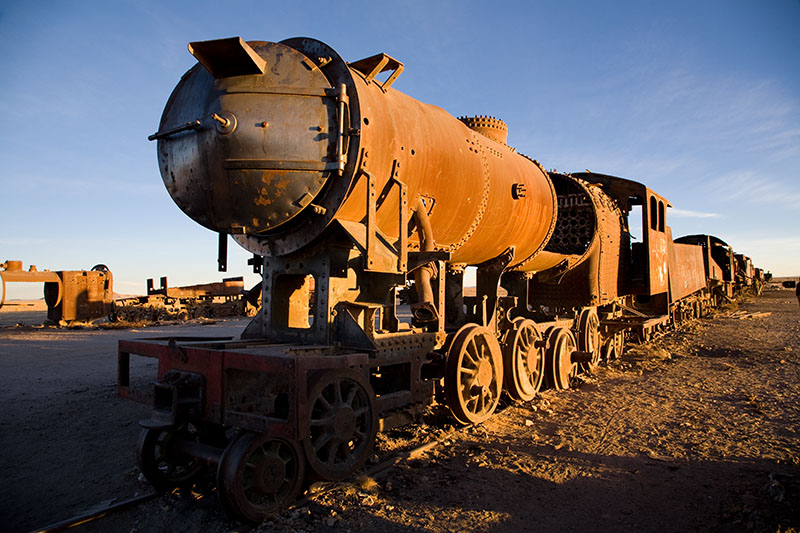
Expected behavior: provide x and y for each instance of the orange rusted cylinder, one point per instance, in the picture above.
(481, 196)
(276, 143)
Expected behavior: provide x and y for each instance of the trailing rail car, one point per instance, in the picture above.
(347, 191)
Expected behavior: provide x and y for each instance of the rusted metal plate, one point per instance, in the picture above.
(228, 57)
(87, 294)
(588, 245)
(686, 270)
(252, 385)
(265, 144)
(227, 287)
(71, 295)
(648, 274)
(11, 271)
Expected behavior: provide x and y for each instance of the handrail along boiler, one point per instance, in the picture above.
(346, 190)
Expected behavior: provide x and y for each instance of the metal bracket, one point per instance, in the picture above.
(376, 245)
(224, 58)
(488, 281)
(222, 253)
(343, 107)
(402, 218)
(374, 65)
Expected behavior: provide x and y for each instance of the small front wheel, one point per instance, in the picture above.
(158, 460)
(259, 475)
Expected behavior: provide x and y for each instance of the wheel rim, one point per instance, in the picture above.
(608, 351)
(619, 344)
(559, 367)
(523, 361)
(474, 374)
(589, 338)
(341, 423)
(259, 475)
(164, 469)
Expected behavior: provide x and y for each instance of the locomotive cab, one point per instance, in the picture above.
(647, 253)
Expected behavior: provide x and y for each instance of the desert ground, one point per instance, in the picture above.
(696, 430)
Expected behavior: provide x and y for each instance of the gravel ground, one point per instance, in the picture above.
(697, 430)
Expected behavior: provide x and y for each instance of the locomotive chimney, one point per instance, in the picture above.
(490, 127)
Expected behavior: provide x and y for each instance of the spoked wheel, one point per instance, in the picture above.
(559, 368)
(644, 335)
(342, 424)
(613, 347)
(473, 377)
(523, 360)
(589, 338)
(163, 467)
(259, 475)
(609, 351)
(619, 343)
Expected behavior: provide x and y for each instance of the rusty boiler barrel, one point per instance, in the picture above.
(275, 142)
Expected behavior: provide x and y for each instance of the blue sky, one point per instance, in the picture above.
(700, 100)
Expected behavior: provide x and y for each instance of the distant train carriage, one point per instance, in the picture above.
(719, 265)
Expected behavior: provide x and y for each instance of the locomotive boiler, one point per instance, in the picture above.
(347, 191)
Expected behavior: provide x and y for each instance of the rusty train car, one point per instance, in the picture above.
(345, 190)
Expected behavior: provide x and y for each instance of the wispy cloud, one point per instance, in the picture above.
(686, 213)
(749, 187)
(684, 110)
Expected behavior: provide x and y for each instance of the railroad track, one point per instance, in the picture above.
(379, 469)
(98, 511)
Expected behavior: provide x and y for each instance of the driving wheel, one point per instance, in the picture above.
(559, 368)
(523, 360)
(589, 338)
(619, 343)
(474, 374)
(259, 475)
(342, 424)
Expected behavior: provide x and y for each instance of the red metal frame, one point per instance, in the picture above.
(212, 357)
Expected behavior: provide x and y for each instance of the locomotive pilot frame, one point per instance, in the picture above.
(346, 190)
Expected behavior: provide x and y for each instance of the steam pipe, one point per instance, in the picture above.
(425, 308)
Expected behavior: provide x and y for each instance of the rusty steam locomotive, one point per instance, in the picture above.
(346, 190)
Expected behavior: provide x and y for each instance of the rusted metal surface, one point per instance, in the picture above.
(745, 273)
(589, 249)
(686, 270)
(11, 271)
(71, 295)
(291, 117)
(206, 300)
(227, 287)
(648, 263)
(88, 294)
(718, 263)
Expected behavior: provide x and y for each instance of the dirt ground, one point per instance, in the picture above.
(697, 430)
